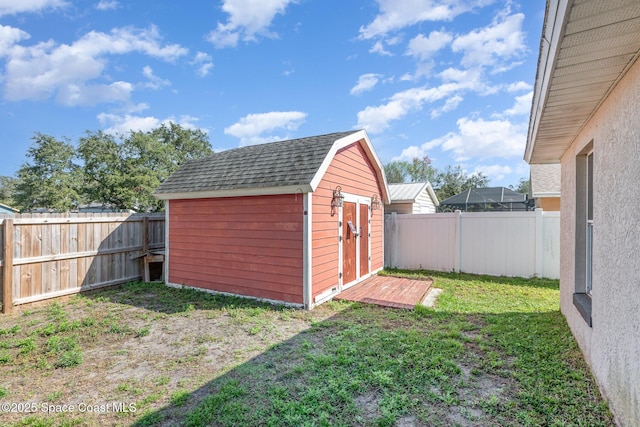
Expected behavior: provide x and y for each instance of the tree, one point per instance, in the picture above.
(523, 187)
(7, 190)
(396, 171)
(421, 170)
(418, 170)
(51, 178)
(454, 180)
(124, 171)
(103, 170)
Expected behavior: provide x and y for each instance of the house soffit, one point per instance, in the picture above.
(587, 46)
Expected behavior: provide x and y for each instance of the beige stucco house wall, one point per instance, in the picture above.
(586, 114)
(612, 345)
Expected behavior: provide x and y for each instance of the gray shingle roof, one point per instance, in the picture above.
(276, 164)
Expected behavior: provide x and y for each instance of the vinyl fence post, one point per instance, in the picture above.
(7, 276)
(539, 242)
(458, 242)
(393, 240)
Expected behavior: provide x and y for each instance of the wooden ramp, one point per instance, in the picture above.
(387, 291)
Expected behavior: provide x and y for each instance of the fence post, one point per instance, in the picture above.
(457, 262)
(7, 265)
(145, 234)
(539, 239)
(393, 262)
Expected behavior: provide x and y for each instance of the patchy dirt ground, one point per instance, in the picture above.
(139, 351)
(146, 354)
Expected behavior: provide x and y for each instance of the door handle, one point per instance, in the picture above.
(353, 229)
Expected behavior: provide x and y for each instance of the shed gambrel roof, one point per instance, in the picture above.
(295, 165)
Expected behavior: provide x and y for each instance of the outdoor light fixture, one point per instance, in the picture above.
(337, 200)
(375, 202)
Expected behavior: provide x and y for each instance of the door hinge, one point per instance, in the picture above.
(340, 276)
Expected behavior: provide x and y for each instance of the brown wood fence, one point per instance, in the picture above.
(50, 255)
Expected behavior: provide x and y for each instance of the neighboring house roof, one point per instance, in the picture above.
(585, 49)
(545, 180)
(409, 192)
(7, 209)
(282, 167)
(485, 195)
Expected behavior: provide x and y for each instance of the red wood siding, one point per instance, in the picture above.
(242, 245)
(352, 170)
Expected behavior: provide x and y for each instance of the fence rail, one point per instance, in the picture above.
(521, 244)
(50, 255)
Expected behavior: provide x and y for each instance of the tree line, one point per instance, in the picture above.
(448, 182)
(116, 171)
(121, 172)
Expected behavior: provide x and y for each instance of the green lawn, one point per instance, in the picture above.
(493, 352)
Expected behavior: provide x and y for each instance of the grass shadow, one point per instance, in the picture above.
(477, 358)
(367, 365)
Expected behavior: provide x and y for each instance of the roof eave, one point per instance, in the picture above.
(556, 17)
(433, 195)
(236, 192)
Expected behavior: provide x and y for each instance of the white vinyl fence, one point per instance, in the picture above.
(522, 244)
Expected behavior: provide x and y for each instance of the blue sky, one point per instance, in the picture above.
(451, 79)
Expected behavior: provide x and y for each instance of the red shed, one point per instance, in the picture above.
(293, 221)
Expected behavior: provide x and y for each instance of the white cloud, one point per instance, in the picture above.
(107, 5)
(378, 47)
(477, 139)
(247, 19)
(423, 47)
(80, 94)
(154, 82)
(519, 86)
(365, 83)
(203, 63)
(376, 119)
(123, 124)
(492, 45)
(522, 105)
(11, 7)
(494, 172)
(450, 105)
(398, 14)
(204, 69)
(9, 36)
(251, 128)
(423, 69)
(71, 71)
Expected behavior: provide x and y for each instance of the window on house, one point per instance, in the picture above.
(589, 230)
(584, 232)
